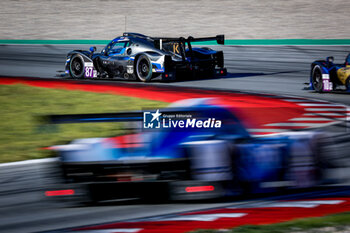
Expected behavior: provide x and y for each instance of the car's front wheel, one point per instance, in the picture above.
(317, 81)
(143, 68)
(76, 66)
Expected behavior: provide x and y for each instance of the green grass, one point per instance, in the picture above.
(20, 131)
(300, 225)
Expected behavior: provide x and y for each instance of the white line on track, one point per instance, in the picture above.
(304, 204)
(311, 119)
(321, 105)
(326, 109)
(298, 204)
(266, 130)
(298, 124)
(114, 230)
(305, 100)
(325, 114)
(29, 162)
(204, 217)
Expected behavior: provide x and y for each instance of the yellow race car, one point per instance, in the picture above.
(327, 76)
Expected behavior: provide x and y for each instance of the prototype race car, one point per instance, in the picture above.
(326, 76)
(135, 56)
(193, 150)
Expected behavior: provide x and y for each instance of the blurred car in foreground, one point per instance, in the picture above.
(134, 56)
(327, 76)
(209, 155)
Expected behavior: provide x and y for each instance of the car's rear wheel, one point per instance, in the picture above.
(76, 66)
(143, 68)
(317, 81)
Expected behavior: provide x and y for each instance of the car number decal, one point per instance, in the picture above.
(327, 85)
(89, 70)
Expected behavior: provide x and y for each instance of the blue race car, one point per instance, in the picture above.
(192, 150)
(326, 76)
(135, 56)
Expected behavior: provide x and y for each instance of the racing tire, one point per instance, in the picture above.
(76, 66)
(317, 82)
(143, 68)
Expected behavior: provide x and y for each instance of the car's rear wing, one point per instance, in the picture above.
(109, 117)
(220, 39)
(205, 113)
(178, 45)
(94, 117)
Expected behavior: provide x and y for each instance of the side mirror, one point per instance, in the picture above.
(330, 59)
(92, 49)
(128, 51)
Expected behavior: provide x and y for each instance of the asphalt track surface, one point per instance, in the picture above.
(273, 69)
(267, 69)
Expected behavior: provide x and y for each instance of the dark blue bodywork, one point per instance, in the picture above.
(163, 57)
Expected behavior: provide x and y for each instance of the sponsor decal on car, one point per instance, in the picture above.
(158, 70)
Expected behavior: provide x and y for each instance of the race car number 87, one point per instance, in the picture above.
(89, 71)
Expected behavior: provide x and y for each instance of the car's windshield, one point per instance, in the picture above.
(116, 47)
